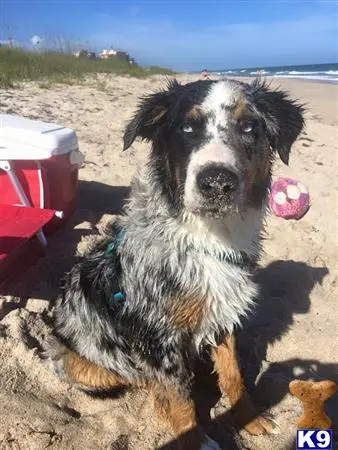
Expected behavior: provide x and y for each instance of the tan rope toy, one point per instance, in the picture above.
(313, 395)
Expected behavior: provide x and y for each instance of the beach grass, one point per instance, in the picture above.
(57, 67)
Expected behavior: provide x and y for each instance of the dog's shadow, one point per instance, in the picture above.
(285, 290)
(101, 198)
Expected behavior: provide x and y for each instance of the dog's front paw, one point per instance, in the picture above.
(52, 357)
(210, 444)
(262, 425)
(247, 417)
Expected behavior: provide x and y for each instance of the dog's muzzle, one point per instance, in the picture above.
(217, 183)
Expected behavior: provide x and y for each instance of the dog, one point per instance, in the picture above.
(173, 276)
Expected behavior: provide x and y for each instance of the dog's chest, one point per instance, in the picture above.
(228, 293)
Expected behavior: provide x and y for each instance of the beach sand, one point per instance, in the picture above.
(294, 334)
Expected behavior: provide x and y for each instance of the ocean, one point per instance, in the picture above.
(321, 72)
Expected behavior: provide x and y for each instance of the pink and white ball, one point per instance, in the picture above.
(289, 198)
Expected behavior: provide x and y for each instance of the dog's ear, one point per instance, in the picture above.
(151, 113)
(283, 117)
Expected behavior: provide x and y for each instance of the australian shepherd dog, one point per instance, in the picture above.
(172, 279)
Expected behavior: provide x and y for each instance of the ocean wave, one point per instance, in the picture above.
(263, 72)
(309, 77)
(328, 75)
(298, 72)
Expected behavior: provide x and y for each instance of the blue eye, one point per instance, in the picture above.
(187, 128)
(248, 126)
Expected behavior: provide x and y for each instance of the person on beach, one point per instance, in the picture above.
(205, 75)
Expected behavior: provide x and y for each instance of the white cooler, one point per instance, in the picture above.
(39, 165)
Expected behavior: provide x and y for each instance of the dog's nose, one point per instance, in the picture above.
(217, 181)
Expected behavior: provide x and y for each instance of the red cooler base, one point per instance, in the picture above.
(18, 244)
(54, 186)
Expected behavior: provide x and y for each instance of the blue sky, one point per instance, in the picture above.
(186, 34)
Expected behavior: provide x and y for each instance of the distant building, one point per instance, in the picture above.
(124, 56)
(85, 54)
(107, 53)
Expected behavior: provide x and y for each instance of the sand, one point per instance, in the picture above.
(295, 331)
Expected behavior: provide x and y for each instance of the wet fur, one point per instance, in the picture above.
(180, 297)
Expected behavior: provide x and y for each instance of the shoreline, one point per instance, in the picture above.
(272, 77)
(309, 80)
(323, 73)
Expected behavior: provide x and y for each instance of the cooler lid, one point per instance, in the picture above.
(26, 139)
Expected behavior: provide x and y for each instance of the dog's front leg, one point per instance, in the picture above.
(177, 410)
(232, 385)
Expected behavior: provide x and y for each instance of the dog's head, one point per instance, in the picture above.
(213, 142)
